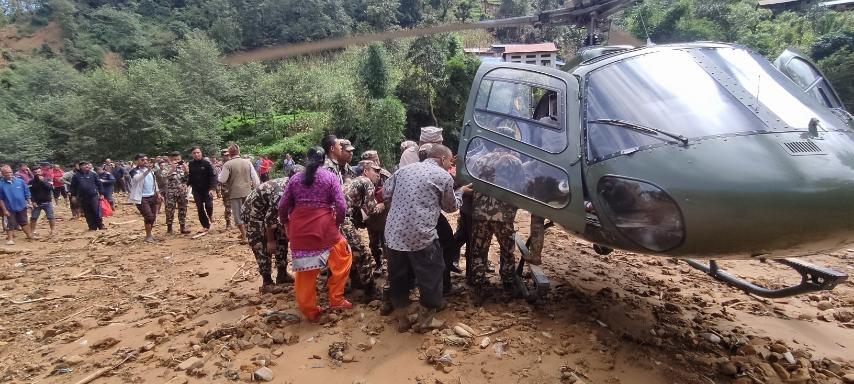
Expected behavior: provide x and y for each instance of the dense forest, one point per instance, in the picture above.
(147, 75)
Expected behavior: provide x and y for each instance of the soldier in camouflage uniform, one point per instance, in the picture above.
(361, 199)
(223, 189)
(491, 216)
(361, 276)
(175, 171)
(261, 215)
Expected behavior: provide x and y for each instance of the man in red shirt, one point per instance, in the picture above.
(54, 175)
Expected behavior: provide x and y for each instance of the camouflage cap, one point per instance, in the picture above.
(369, 163)
(347, 145)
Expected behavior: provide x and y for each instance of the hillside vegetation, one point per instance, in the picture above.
(120, 77)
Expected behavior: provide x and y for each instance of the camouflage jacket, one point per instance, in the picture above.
(503, 169)
(332, 165)
(260, 210)
(347, 175)
(360, 195)
(176, 180)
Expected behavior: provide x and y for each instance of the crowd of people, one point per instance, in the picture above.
(313, 211)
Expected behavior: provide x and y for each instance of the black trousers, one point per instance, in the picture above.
(423, 267)
(447, 245)
(462, 237)
(92, 211)
(204, 205)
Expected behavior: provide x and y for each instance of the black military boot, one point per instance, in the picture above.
(267, 285)
(169, 229)
(184, 230)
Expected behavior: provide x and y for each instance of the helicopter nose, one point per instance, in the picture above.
(763, 195)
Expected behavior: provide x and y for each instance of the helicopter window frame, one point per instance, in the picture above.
(482, 108)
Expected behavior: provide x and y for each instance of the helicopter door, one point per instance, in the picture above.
(515, 144)
(806, 75)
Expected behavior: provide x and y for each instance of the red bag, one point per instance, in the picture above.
(106, 209)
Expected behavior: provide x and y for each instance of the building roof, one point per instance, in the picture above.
(526, 48)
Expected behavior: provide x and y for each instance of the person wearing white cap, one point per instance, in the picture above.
(429, 135)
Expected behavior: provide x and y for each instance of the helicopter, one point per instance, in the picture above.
(696, 151)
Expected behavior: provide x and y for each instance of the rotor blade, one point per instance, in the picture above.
(283, 51)
(579, 13)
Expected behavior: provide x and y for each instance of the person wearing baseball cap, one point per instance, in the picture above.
(365, 210)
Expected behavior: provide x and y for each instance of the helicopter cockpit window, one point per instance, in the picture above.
(665, 90)
(804, 75)
(768, 86)
(526, 102)
(518, 173)
(765, 83)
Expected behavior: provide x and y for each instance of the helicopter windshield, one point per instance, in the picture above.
(670, 91)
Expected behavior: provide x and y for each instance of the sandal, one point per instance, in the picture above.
(344, 304)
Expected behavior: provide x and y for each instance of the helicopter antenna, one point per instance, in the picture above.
(758, 87)
(646, 31)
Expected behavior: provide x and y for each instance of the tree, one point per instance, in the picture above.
(374, 72)
(383, 127)
(21, 140)
(839, 69)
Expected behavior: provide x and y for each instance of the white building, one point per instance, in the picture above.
(544, 54)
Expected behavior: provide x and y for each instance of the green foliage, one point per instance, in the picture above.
(839, 69)
(383, 127)
(374, 72)
(21, 140)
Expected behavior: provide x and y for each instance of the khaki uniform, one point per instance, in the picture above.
(260, 211)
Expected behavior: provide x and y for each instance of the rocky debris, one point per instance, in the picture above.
(848, 379)
(191, 363)
(843, 315)
(338, 349)
(73, 359)
(263, 374)
(460, 331)
(104, 343)
(484, 342)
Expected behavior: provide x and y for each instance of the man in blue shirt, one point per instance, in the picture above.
(14, 202)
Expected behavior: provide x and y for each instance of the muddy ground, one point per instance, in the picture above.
(188, 310)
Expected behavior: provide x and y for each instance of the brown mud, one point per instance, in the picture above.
(188, 310)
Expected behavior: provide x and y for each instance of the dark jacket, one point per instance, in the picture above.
(40, 191)
(201, 177)
(86, 185)
(108, 181)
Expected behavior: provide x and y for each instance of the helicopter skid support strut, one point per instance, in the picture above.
(540, 288)
(813, 278)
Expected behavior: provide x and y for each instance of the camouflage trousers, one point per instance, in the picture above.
(538, 233)
(179, 202)
(226, 204)
(361, 275)
(482, 232)
(257, 238)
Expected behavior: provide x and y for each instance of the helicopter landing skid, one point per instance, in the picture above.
(813, 278)
(539, 288)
